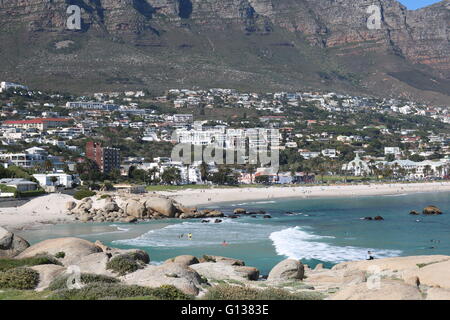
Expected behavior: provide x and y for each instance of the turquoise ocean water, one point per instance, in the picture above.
(325, 231)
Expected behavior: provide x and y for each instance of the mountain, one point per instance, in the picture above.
(249, 44)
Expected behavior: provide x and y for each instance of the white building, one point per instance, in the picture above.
(92, 105)
(5, 86)
(420, 170)
(60, 179)
(330, 153)
(357, 167)
(392, 150)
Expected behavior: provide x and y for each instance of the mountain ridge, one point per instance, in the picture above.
(273, 44)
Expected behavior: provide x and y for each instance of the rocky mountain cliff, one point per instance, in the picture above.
(254, 44)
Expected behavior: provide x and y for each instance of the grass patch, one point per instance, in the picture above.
(107, 291)
(227, 292)
(60, 255)
(19, 278)
(8, 264)
(124, 264)
(423, 265)
(84, 193)
(60, 282)
(11, 294)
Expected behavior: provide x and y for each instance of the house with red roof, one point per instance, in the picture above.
(38, 123)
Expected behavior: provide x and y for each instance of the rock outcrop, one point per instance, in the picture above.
(10, 244)
(185, 260)
(399, 278)
(224, 271)
(432, 210)
(131, 210)
(183, 278)
(47, 273)
(74, 249)
(386, 290)
(286, 270)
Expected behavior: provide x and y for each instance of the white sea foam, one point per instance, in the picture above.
(253, 203)
(118, 230)
(295, 243)
(203, 234)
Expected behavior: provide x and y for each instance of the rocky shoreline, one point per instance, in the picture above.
(131, 210)
(144, 208)
(401, 278)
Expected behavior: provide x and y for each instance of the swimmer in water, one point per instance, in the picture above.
(190, 236)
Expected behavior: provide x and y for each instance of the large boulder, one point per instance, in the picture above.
(110, 206)
(438, 294)
(71, 205)
(73, 248)
(225, 271)
(286, 270)
(129, 219)
(84, 206)
(430, 210)
(385, 290)
(435, 274)
(185, 260)
(215, 214)
(95, 263)
(163, 206)
(47, 273)
(183, 278)
(224, 260)
(135, 208)
(10, 244)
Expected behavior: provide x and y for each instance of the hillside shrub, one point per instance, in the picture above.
(229, 292)
(86, 278)
(102, 291)
(7, 264)
(124, 264)
(84, 193)
(19, 278)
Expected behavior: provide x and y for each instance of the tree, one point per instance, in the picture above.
(152, 174)
(390, 157)
(262, 179)
(416, 158)
(251, 170)
(53, 179)
(48, 165)
(224, 177)
(88, 170)
(427, 171)
(171, 176)
(204, 171)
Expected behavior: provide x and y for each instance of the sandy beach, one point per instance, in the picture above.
(51, 209)
(196, 197)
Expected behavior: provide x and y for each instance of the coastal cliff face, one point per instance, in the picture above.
(269, 34)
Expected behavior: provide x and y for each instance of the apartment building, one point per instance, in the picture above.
(106, 158)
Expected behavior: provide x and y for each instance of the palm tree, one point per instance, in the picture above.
(152, 173)
(53, 179)
(251, 170)
(204, 171)
(48, 165)
(171, 176)
(427, 170)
